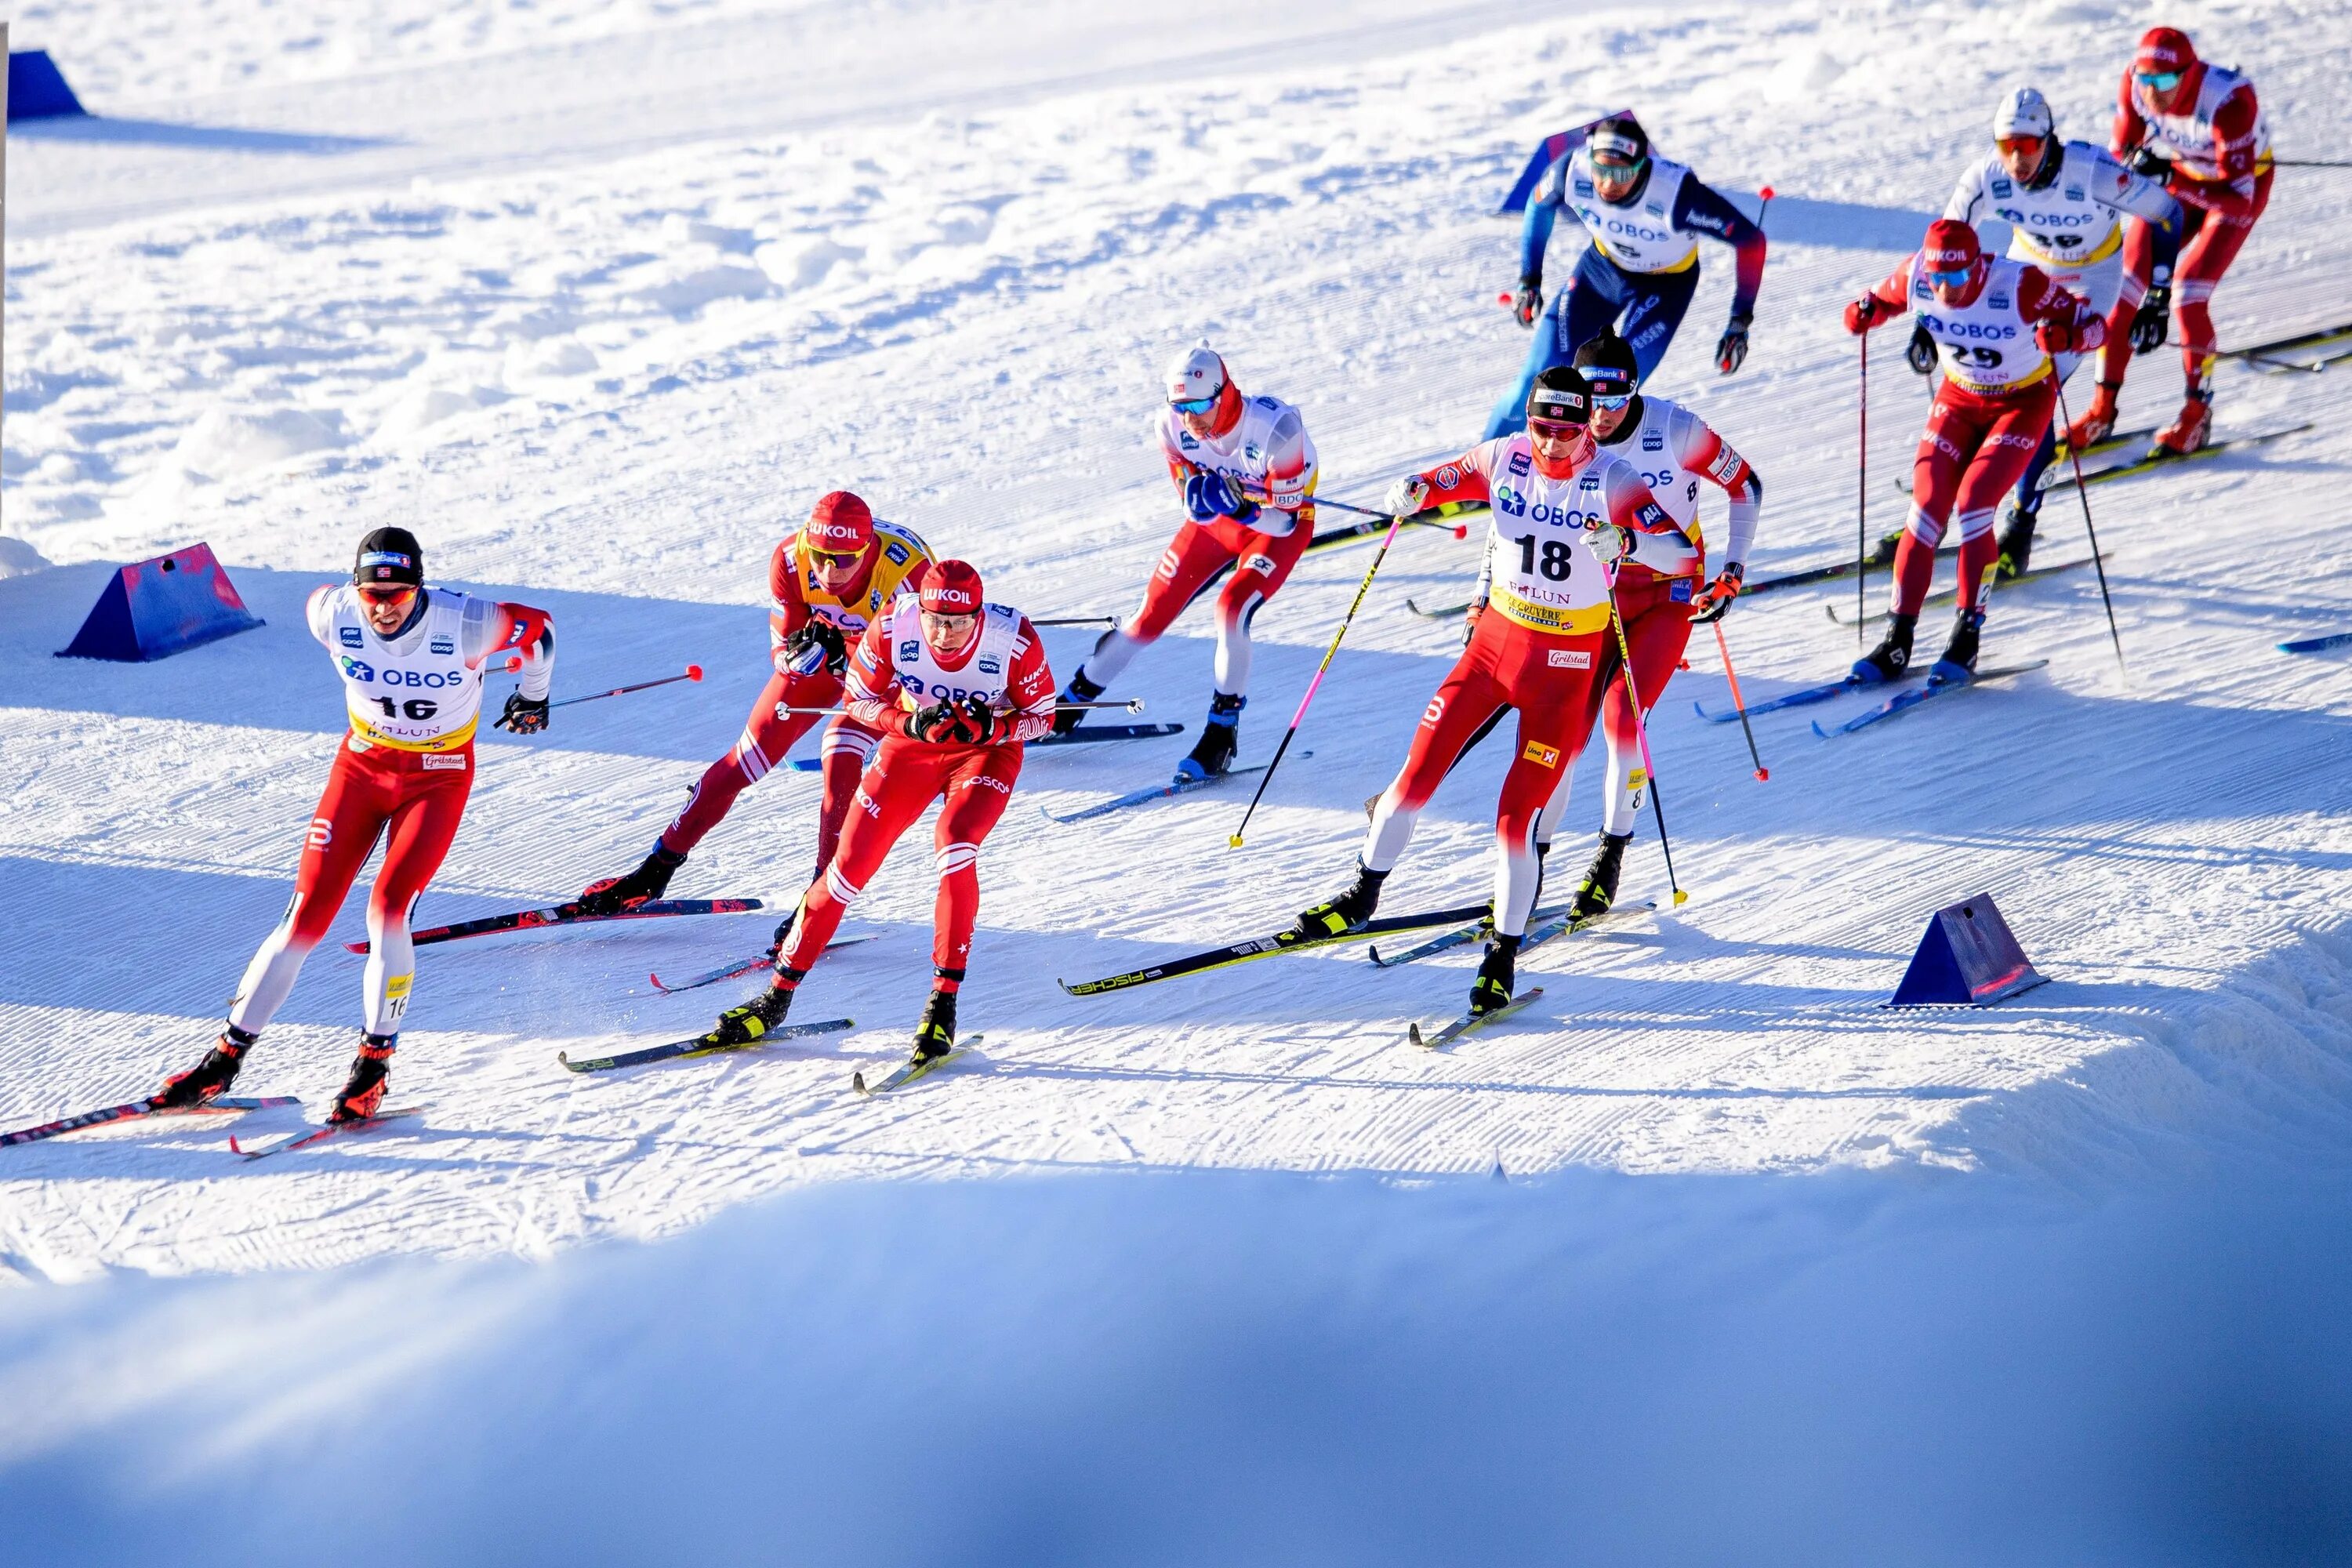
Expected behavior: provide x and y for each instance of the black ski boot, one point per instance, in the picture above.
(1349, 909)
(362, 1094)
(1959, 660)
(741, 1026)
(1892, 657)
(1079, 689)
(935, 1036)
(1492, 989)
(648, 882)
(210, 1078)
(2016, 543)
(1220, 735)
(1598, 889)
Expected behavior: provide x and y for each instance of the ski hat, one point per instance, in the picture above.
(1560, 396)
(840, 524)
(1950, 246)
(392, 557)
(951, 588)
(2164, 50)
(1608, 367)
(1195, 374)
(1619, 139)
(2022, 112)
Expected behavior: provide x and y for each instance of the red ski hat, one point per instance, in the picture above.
(951, 588)
(1950, 246)
(2164, 50)
(839, 524)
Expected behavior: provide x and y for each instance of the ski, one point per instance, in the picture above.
(1567, 925)
(908, 1072)
(1542, 926)
(1905, 702)
(2162, 458)
(1475, 930)
(318, 1135)
(1444, 613)
(745, 966)
(1946, 596)
(1085, 734)
(1469, 1024)
(678, 1051)
(138, 1110)
(2264, 358)
(1291, 939)
(1156, 792)
(569, 915)
(1796, 699)
(2300, 644)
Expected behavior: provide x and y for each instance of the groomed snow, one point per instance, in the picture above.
(599, 360)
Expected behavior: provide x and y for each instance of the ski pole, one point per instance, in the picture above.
(1862, 504)
(2082, 493)
(1641, 733)
(1741, 704)
(693, 672)
(1458, 529)
(1132, 704)
(1316, 685)
(1076, 621)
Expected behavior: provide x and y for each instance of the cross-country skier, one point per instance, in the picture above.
(955, 685)
(1662, 587)
(827, 583)
(2198, 127)
(1645, 217)
(1562, 513)
(1245, 468)
(1995, 322)
(411, 660)
(2064, 203)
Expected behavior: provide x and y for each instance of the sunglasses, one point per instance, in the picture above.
(389, 594)
(1550, 430)
(831, 560)
(2157, 81)
(1611, 401)
(1956, 279)
(1195, 405)
(2018, 143)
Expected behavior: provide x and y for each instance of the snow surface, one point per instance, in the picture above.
(597, 298)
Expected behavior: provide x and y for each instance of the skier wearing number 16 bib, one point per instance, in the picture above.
(1995, 323)
(1539, 639)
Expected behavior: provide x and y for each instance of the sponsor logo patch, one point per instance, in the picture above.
(897, 553)
(990, 665)
(1653, 440)
(436, 761)
(443, 645)
(1679, 593)
(1448, 477)
(351, 636)
(1261, 564)
(319, 834)
(1538, 752)
(1569, 658)
(1519, 461)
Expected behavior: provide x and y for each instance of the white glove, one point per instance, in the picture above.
(1405, 495)
(1610, 542)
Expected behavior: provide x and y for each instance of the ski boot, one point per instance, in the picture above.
(1958, 662)
(1080, 690)
(1892, 657)
(2188, 431)
(2016, 543)
(935, 1034)
(210, 1078)
(1220, 734)
(362, 1094)
(1492, 989)
(648, 882)
(1598, 889)
(2098, 421)
(1333, 917)
(741, 1026)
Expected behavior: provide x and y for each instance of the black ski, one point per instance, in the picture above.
(1470, 1024)
(1946, 596)
(907, 1071)
(1291, 939)
(137, 1111)
(701, 1046)
(570, 915)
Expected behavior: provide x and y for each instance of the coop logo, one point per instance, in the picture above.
(990, 665)
(443, 645)
(909, 651)
(1653, 441)
(1518, 462)
(351, 636)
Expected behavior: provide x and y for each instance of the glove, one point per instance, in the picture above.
(1731, 349)
(985, 724)
(1610, 542)
(1709, 603)
(2067, 337)
(938, 724)
(1208, 497)
(2149, 323)
(1866, 313)
(1405, 497)
(1470, 621)
(2146, 160)
(818, 644)
(1920, 352)
(523, 715)
(1528, 303)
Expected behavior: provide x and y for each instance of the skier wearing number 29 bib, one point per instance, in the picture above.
(1995, 323)
(1561, 516)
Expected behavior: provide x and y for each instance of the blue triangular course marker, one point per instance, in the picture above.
(152, 609)
(37, 89)
(1969, 958)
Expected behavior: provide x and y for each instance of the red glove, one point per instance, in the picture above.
(1709, 603)
(2069, 337)
(1866, 313)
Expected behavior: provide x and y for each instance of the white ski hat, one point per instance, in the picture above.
(1196, 372)
(2022, 111)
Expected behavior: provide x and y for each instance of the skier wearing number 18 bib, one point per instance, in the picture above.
(1995, 323)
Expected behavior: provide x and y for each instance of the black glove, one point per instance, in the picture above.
(523, 715)
(936, 723)
(1527, 304)
(2148, 323)
(818, 632)
(985, 725)
(2147, 160)
(1920, 352)
(1731, 349)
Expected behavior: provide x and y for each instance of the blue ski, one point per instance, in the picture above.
(1791, 698)
(1905, 700)
(2314, 645)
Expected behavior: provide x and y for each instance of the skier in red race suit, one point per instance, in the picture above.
(2197, 125)
(1995, 323)
(411, 660)
(1561, 515)
(827, 583)
(956, 687)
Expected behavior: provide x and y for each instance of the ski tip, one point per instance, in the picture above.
(234, 1146)
(857, 1081)
(1825, 734)
(355, 947)
(1413, 1031)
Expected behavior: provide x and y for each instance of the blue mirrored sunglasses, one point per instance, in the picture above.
(2157, 81)
(1613, 401)
(1195, 405)
(1956, 279)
